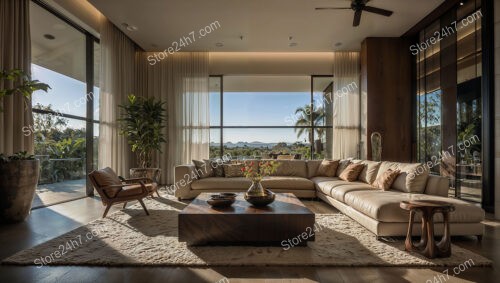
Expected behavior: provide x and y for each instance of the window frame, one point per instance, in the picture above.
(221, 127)
(90, 39)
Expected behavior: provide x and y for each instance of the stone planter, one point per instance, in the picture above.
(151, 173)
(18, 181)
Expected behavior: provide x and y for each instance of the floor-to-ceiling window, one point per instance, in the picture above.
(270, 116)
(449, 99)
(65, 119)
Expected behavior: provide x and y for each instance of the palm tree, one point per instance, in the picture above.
(308, 114)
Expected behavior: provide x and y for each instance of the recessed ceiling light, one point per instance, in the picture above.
(219, 44)
(129, 27)
(461, 3)
(338, 44)
(49, 36)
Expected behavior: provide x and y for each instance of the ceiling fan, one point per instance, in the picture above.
(358, 6)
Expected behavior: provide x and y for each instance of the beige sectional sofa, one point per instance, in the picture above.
(377, 210)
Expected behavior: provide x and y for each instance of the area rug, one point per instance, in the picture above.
(130, 238)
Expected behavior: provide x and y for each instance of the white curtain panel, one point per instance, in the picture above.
(15, 53)
(117, 82)
(181, 80)
(346, 104)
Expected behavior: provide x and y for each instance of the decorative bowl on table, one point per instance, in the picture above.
(264, 200)
(222, 200)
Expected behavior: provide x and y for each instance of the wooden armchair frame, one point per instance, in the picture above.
(109, 201)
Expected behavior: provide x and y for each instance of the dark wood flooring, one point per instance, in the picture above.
(47, 223)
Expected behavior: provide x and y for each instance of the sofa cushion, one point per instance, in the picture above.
(215, 183)
(233, 170)
(285, 182)
(312, 168)
(384, 206)
(296, 168)
(328, 168)
(336, 188)
(407, 181)
(131, 190)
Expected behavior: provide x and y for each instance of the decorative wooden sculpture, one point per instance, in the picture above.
(376, 139)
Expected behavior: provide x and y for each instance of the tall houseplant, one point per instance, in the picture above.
(18, 172)
(142, 123)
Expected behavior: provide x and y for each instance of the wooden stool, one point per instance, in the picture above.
(427, 245)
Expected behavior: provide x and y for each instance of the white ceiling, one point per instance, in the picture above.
(264, 24)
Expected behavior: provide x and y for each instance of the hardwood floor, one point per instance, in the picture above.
(47, 223)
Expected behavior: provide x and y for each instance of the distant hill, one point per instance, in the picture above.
(255, 144)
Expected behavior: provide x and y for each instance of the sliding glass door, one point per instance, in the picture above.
(64, 57)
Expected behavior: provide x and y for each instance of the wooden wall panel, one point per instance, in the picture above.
(386, 79)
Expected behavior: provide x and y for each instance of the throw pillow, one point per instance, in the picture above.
(352, 172)
(218, 166)
(203, 168)
(386, 179)
(233, 170)
(342, 166)
(328, 168)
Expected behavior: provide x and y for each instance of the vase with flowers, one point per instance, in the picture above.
(256, 193)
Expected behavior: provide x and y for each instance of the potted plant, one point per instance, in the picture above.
(142, 123)
(18, 172)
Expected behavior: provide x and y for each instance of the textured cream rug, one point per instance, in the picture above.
(130, 238)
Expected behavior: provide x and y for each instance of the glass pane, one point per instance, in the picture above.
(324, 100)
(261, 143)
(96, 146)
(97, 63)
(323, 143)
(469, 141)
(60, 147)
(266, 100)
(466, 69)
(214, 100)
(58, 59)
(433, 128)
(215, 143)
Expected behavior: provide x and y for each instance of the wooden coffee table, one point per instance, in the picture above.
(242, 224)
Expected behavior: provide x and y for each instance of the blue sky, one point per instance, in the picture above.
(258, 109)
(68, 96)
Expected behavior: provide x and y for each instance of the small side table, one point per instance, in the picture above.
(427, 245)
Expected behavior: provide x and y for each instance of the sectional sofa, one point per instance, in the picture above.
(375, 209)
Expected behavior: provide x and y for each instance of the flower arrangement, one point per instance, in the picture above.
(265, 168)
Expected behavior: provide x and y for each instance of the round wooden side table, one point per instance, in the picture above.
(427, 245)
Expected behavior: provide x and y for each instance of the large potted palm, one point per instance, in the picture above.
(18, 172)
(142, 123)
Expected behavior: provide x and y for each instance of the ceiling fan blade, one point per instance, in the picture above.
(357, 18)
(379, 11)
(332, 8)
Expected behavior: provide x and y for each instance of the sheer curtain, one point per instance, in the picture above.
(181, 80)
(15, 53)
(117, 82)
(346, 115)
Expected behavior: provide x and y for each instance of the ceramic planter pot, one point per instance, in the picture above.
(151, 173)
(18, 181)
